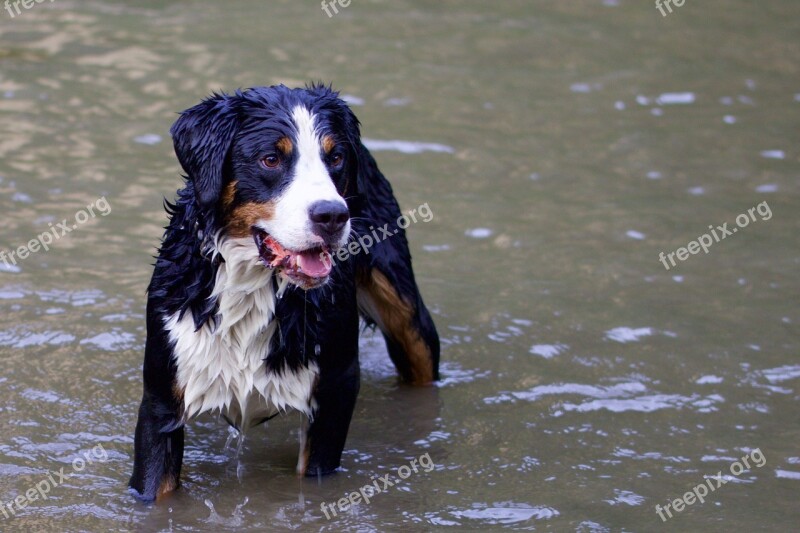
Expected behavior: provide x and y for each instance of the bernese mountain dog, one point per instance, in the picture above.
(247, 314)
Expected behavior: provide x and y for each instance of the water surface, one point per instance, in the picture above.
(562, 146)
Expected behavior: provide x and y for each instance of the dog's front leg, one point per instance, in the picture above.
(321, 451)
(158, 451)
(158, 447)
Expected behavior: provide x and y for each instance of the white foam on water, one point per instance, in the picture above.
(406, 147)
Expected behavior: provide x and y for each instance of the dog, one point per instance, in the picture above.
(247, 315)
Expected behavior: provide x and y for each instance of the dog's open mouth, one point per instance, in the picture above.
(307, 268)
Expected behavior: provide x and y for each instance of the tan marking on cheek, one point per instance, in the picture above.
(328, 144)
(285, 146)
(228, 195)
(397, 318)
(242, 219)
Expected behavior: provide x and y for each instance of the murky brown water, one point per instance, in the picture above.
(583, 382)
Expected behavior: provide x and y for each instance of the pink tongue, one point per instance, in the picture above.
(314, 264)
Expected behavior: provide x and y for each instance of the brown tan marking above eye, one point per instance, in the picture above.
(285, 146)
(328, 144)
(242, 219)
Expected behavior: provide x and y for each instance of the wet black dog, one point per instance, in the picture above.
(247, 316)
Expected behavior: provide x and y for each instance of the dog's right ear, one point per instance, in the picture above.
(202, 137)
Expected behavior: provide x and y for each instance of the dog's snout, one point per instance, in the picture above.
(328, 218)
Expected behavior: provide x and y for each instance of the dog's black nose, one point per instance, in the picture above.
(328, 218)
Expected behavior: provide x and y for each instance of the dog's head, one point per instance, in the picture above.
(275, 165)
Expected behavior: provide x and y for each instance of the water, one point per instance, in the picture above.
(562, 146)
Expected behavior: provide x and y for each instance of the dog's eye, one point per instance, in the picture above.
(271, 161)
(336, 160)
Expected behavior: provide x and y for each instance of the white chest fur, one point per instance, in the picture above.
(223, 369)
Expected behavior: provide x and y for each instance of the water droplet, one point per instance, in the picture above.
(232, 434)
(237, 511)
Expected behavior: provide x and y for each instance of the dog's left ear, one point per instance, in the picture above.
(202, 137)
